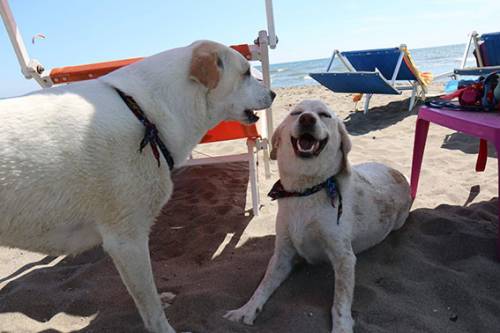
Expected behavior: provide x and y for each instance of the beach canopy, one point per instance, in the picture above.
(487, 52)
(375, 72)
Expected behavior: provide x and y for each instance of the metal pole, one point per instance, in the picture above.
(345, 61)
(30, 68)
(273, 40)
(266, 75)
(15, 38)
(331, 60)
(398, 66)
(475, 38)
(252, 165)
(466, 52)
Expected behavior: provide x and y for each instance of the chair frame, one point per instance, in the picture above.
(413, 86)
(258, 51)
(474, 39)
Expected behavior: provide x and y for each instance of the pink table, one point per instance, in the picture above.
(483, 125)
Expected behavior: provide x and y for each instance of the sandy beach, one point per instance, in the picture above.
(436, 274)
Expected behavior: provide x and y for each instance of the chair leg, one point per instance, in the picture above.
(482, 156)
(266, 159)
(497, 145)
(252, 166)
(367, 102)
(421, 131)
(413, 97)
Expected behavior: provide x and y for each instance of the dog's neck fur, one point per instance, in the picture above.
(157, 104)
(296, 182)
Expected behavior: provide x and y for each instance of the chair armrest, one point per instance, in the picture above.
(476, 70)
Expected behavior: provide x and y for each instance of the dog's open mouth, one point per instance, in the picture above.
(307, 146)
(251, 116)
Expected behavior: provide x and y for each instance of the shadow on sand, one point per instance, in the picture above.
(466, 144)
(377, 118)
(442, 259)
(188, 232)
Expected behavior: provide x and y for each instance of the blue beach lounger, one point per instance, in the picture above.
(487, 52)
(379, 71)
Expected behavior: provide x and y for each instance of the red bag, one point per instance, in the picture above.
(480, 95)
(471, 95)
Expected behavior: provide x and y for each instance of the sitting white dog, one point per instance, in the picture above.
(327, 211)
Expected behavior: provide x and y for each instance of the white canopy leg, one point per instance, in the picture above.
(263, 145)
(252, 166)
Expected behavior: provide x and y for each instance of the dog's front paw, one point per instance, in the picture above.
(167, 298)
(245, 315)
(342, 330)
(343, 325)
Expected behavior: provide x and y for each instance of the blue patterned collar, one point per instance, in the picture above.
(151, 134)
(330, 186)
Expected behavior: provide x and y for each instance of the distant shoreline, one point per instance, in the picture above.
(319, 59)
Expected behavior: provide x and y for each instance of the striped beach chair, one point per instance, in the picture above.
(381, 71)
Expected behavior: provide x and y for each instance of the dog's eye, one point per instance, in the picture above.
(295, 113)
(220, 63)
(325, 114)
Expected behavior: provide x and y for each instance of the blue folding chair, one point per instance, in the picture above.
(487, 52)
(375, 72)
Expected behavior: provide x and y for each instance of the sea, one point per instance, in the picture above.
(437, 60)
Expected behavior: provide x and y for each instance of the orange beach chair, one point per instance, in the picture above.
(229, 130)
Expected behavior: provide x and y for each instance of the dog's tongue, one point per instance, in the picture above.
(306, 142)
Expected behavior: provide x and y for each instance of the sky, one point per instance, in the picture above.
(86, 31)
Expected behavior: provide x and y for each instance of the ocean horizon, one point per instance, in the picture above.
(437, 60)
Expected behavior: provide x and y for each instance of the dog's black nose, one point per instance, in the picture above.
(273, 95)
(307, 120)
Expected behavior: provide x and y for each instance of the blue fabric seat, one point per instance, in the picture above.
(355, 82)
(491, 49)
(384, 60)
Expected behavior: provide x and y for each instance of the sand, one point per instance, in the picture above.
(437, 274)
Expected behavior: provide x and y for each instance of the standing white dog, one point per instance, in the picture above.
(71, 175)
(327, 211)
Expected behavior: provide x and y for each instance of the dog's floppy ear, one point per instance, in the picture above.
(275, 142)
(345, 147)
(204, 67)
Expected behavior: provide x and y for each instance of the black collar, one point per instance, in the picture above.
(330, 185)
(151, 135)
